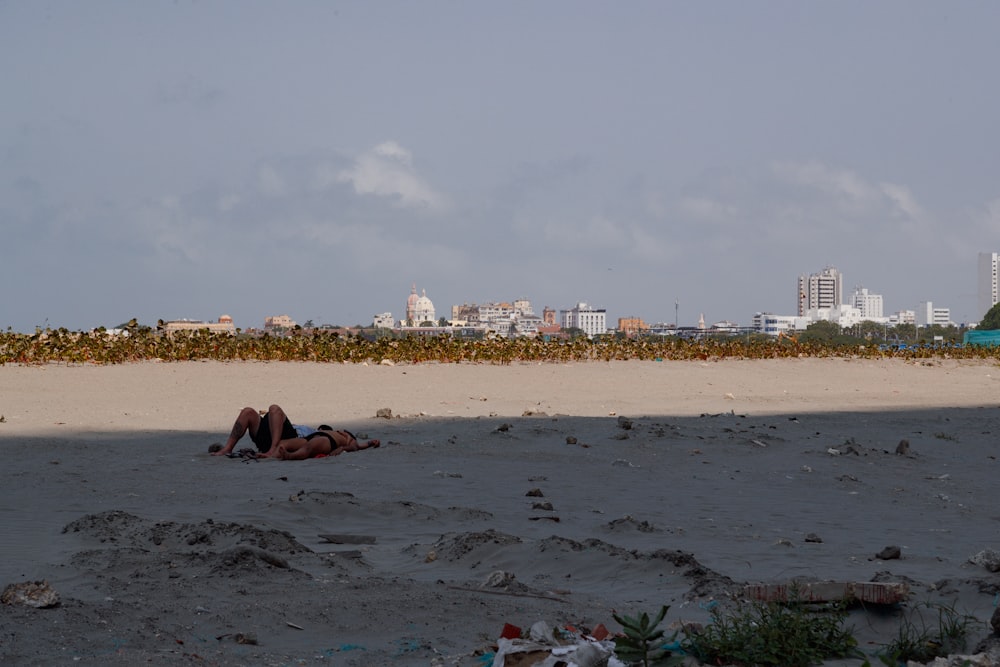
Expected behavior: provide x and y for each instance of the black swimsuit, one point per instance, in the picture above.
(329, 434)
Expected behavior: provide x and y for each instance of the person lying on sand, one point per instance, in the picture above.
(277, 438)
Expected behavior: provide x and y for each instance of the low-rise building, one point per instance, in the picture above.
(223, 325)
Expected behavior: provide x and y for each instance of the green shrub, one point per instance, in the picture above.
(791, 634)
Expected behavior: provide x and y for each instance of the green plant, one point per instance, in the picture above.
(918, 639)
(791, 634)
(643, 640)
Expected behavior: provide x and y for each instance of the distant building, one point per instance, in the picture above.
(820, 290)
(419, 309)
(869, 305)
(632, 326)
(223, 325)
(989, 284)
(592, 321)
(903, 317)
(277, 322)
(383, 321)
(549, 316)
(772, 325)
(928, 315)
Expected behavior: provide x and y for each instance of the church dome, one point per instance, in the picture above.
(423, 310)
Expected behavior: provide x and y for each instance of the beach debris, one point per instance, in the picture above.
(245, 638)
(891, 552)
(499, 579)
(729, 396)
(814, 538)
(431, 556)
(503, 428)
(625, 423)
(337, 538)
(545, 506)
(535, 493)
(872, 592)
(545, 647)
(987, 558)
(38, 594)
(442, 473)
(903, 448)
(293, 625)
(758, 443)
(570, 440)
(383, 413)
(215, 447)
(387, 362)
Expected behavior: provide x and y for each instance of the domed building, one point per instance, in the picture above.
(419, 309)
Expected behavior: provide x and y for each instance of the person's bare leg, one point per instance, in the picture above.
(276, 420)
(248, 420)
(293, 449)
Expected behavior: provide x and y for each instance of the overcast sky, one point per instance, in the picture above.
(188, 159)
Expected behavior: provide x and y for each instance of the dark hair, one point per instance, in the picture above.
(324, 427)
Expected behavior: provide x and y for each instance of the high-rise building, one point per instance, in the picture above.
(989, 289)
(869, 305)
(821, 290)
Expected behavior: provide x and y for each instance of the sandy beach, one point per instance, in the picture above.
(500, 494)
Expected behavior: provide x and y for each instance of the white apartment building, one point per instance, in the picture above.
(384, 321)
(989, 286)
(592, 321)
(928, 315)
(869, 305)
(523, 307)
(903, 317)
(821, 290)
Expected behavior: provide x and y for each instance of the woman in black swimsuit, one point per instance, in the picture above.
(276, 437)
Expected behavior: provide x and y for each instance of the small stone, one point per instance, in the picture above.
(503, 428)
(535, 493)
(383, 413)
(889, 553)
(813, 537)
(570, 440)
(545, 506)
(625, 423)
(215, 447)
(903, 448)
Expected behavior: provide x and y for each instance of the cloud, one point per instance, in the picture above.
(851, 194)
(387, 171)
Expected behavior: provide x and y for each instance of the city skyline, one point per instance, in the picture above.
(312, 158)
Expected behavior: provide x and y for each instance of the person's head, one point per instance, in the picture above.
(324, 427)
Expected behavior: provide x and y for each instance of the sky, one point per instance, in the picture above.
(188, 159)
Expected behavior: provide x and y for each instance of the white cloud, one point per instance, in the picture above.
(387, 171)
